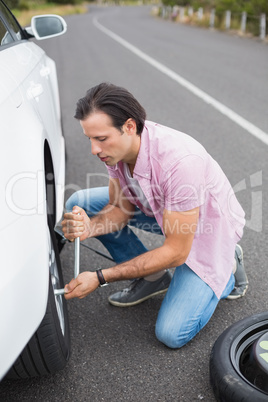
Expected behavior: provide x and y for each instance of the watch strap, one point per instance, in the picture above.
(101, 278)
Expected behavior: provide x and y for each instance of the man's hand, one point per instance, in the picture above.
(81, 286)
(76, 224)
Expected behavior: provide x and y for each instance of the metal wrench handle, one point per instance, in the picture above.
(58, 292)
(76, 257)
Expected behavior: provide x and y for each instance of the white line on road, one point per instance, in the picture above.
(249, 127)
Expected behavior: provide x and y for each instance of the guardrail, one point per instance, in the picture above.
(243, 23)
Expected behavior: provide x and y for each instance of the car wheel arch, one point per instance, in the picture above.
(50, 187)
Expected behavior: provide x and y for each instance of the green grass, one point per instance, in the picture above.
(38, 8)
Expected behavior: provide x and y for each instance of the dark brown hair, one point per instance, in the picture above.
(116, 102)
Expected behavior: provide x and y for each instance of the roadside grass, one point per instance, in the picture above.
(39, 8)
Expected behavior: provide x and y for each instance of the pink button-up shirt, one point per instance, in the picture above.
(176, 173)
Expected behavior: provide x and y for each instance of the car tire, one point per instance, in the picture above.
(234, 374)
(49, 348)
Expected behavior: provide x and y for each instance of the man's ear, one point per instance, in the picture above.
(130, 126)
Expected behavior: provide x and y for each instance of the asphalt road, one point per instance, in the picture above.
(115, 355)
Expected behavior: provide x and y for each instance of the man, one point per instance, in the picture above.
(164, 181)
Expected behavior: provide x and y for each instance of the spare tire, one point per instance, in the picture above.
(234, 375)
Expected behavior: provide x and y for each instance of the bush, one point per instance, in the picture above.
(254, 7)
(12, 3)
(23, 5)
(67, 1)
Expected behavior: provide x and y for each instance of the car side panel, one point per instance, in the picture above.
(23, 232)
(26, 122)
(30, 76)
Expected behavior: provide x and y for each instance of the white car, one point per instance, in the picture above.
(34, 334)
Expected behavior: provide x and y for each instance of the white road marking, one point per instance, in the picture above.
(226, 111)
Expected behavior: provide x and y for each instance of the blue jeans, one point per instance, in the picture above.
(189, 302)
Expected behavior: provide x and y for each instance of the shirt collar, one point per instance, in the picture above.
(143, 167)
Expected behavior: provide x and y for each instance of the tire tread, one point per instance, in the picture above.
(227, 384)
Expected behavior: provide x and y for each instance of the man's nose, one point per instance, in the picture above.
(95, 148)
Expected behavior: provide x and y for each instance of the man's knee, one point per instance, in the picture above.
(92, 200)
(172, 335)
(76, 198)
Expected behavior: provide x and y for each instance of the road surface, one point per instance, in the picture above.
(211, 85)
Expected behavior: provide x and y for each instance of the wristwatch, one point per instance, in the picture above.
(101, 278)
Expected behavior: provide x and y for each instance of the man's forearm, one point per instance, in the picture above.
(109, 219)
(145, 264)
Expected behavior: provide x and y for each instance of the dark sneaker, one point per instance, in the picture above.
(140, 290)
(241, 280)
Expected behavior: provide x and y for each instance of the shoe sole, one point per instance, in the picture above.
(117, 304)
(237, 296)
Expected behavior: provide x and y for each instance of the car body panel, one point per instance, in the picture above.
(29, 119)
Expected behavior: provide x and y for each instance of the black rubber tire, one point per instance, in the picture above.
(49, 348)
(228, 382)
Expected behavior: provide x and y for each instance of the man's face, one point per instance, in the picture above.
(107, 142)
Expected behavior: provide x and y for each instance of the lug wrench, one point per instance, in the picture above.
(58, 292)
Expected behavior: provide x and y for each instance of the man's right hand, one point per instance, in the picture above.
(76, 224)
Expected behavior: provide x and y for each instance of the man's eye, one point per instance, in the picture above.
(102, 139)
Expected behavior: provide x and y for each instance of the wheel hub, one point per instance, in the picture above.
(260, 354)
